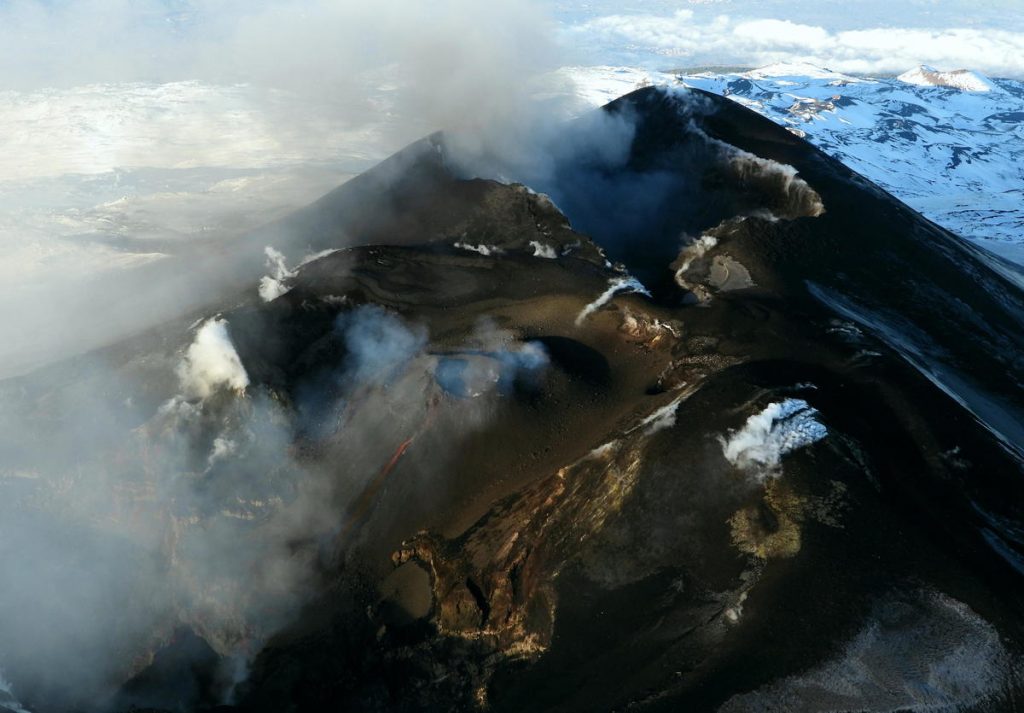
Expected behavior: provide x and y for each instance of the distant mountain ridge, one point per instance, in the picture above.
(957, 79)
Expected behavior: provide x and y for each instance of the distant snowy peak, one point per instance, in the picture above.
(797, 69)
(962, 79)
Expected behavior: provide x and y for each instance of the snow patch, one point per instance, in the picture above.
(921, 652)
(486, 250)
(542, 250)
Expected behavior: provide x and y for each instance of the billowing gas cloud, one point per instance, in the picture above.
(449, 63)
(211, 362)
(778, 429)
(165, 497)
(165, 493)
(249, 98)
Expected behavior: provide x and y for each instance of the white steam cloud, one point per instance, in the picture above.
(491, 362)
(211, 362)
(615, 286)
(119, 524)
(379, 343)
(780, 428)
(273, 285)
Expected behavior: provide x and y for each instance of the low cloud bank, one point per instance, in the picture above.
(688, 38)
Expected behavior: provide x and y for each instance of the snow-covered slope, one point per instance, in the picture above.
(949, 144)
(952, 152)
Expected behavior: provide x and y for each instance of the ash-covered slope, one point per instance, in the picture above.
(737, 431)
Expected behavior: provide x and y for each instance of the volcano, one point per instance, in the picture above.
(708, 424)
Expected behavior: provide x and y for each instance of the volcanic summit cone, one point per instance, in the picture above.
(737, 431)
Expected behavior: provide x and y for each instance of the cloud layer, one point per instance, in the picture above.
(435, 60)
(687, 38)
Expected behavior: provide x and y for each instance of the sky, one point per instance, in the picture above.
(61, 42)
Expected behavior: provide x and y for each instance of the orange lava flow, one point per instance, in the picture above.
(399, 452)
(359, 509)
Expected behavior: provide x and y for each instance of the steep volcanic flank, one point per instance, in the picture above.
(736, 431)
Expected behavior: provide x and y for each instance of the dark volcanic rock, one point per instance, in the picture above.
(500, 477)
(650, 571)
(181, 676)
